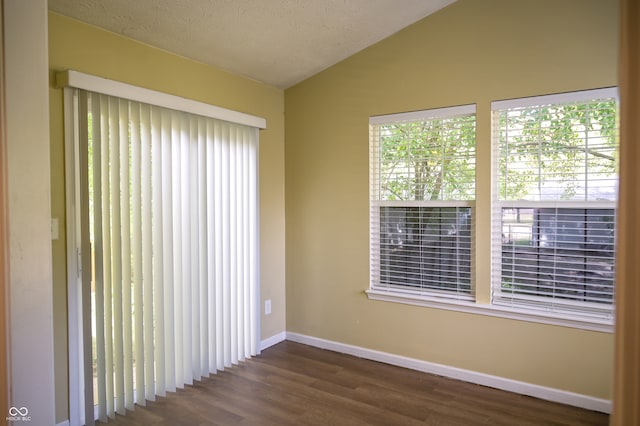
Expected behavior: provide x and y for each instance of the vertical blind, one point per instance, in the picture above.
(556, 167)
(173, 223)
(422, 176)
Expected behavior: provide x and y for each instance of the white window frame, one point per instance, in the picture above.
(594, 313)
(483, 304)
(376, 290)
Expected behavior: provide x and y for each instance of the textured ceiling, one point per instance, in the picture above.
(278, 42)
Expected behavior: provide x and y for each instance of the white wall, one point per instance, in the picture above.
(30, 286)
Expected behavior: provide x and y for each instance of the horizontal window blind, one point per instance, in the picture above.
(558, 253)
(425, 249)
(422, 174)
(559, 151)
(554, 213)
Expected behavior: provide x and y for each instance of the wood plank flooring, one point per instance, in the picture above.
(294, 384)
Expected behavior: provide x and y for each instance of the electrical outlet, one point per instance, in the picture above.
(267, 307)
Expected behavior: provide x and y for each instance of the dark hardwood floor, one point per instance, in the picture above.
(294, 384)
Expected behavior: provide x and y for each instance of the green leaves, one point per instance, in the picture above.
(558, 152)
(547, 152)
(428, 159)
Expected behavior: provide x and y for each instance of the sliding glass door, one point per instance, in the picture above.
(166, 235)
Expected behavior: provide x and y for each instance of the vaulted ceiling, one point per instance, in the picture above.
(278, 42)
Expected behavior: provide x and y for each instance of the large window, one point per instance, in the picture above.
(555, 163)
(422, 167)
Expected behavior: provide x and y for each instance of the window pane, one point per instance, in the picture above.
(428, 159)
(422, 175)
(560, 253)
(556, 161)
(426, 248)
(559, 152)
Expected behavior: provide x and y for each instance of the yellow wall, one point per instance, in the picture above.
(73, 45)
(470, 52)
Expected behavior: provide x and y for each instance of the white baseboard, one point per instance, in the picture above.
(65, 423)
(523, 388)
(273, 340)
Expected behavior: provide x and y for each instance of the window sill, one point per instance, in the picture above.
(528, 315)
